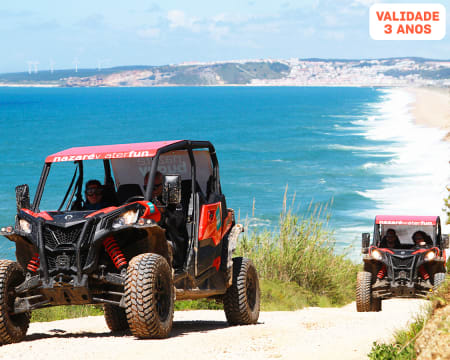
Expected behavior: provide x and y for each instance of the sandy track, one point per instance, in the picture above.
(312, 333)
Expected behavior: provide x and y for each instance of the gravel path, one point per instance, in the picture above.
(311, 333)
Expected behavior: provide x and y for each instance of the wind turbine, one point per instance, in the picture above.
(29, 66)
(75, 61)
(52, 64)
(102, 62)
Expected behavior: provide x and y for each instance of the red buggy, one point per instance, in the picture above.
(395, 265)
(135, 256)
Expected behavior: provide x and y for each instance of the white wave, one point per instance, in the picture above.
(353, 148)
(370, 165)
(342, 116)
(256, 222)
(415, 179)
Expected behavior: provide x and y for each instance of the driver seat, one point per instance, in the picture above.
(126, 191)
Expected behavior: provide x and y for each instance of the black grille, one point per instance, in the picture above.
(54, 235)
(402, 262)
(52, 260)
(60, 244)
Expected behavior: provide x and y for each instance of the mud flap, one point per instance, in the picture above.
(232, 244)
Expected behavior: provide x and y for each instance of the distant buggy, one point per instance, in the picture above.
(136, 256)
(395, 265)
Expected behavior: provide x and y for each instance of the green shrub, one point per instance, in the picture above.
(403, 346)
(302, 250)
(288, 296)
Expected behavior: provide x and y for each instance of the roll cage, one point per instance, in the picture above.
(78, 178)
(405, 226)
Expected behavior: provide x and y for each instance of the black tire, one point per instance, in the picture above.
(149, 296)
(376, 304)
(115, 317)
(241, 302)
(438, 280)
(364, 291)
(13, 328)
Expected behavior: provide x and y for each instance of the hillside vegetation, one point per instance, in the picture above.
(265, 72)
(302, 252)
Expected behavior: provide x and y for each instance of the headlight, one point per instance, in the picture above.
(127, 218)
(430, 255)
(377, 255)
(25, 226)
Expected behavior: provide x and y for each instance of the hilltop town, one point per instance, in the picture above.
(292, 72)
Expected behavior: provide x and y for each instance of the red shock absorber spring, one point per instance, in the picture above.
(423, 273)
(113, 250)
(382, 273)
(34, 263)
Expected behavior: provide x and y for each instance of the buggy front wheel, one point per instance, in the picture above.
(438, 280)
(149, 296)
(13, 327)
(364, 292)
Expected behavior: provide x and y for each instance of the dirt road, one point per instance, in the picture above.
(312, 333)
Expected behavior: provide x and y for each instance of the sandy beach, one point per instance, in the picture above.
(432, 108)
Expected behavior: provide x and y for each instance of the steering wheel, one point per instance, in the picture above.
(134, 198)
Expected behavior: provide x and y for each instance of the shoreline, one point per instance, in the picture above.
(431, 108)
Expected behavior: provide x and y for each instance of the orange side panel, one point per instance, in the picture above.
(211, 223)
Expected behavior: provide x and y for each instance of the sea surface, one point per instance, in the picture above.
(356, 149)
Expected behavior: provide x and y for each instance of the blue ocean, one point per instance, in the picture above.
(356, 149)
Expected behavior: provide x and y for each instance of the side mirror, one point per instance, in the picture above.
(172, 189)
(445, 241)
(23, 197)
(365, 243)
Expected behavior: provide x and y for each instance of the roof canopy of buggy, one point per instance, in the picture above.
(120, 151)
(406, 220)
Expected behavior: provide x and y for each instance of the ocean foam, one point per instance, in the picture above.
(352, 148)
(415, 179)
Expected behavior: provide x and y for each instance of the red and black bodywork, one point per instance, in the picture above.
(74, 256)
(405, 270)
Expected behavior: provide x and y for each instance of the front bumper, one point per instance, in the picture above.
(408, 289)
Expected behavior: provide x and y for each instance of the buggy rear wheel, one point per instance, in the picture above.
(115, 317)
(364, 292)
(376, 304)
(149, 296)
(241, 302)
(13, 327)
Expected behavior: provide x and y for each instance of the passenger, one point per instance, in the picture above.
(390, 240)
(421, 239)
(94, 194)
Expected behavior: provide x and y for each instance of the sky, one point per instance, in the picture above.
(104, 33)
